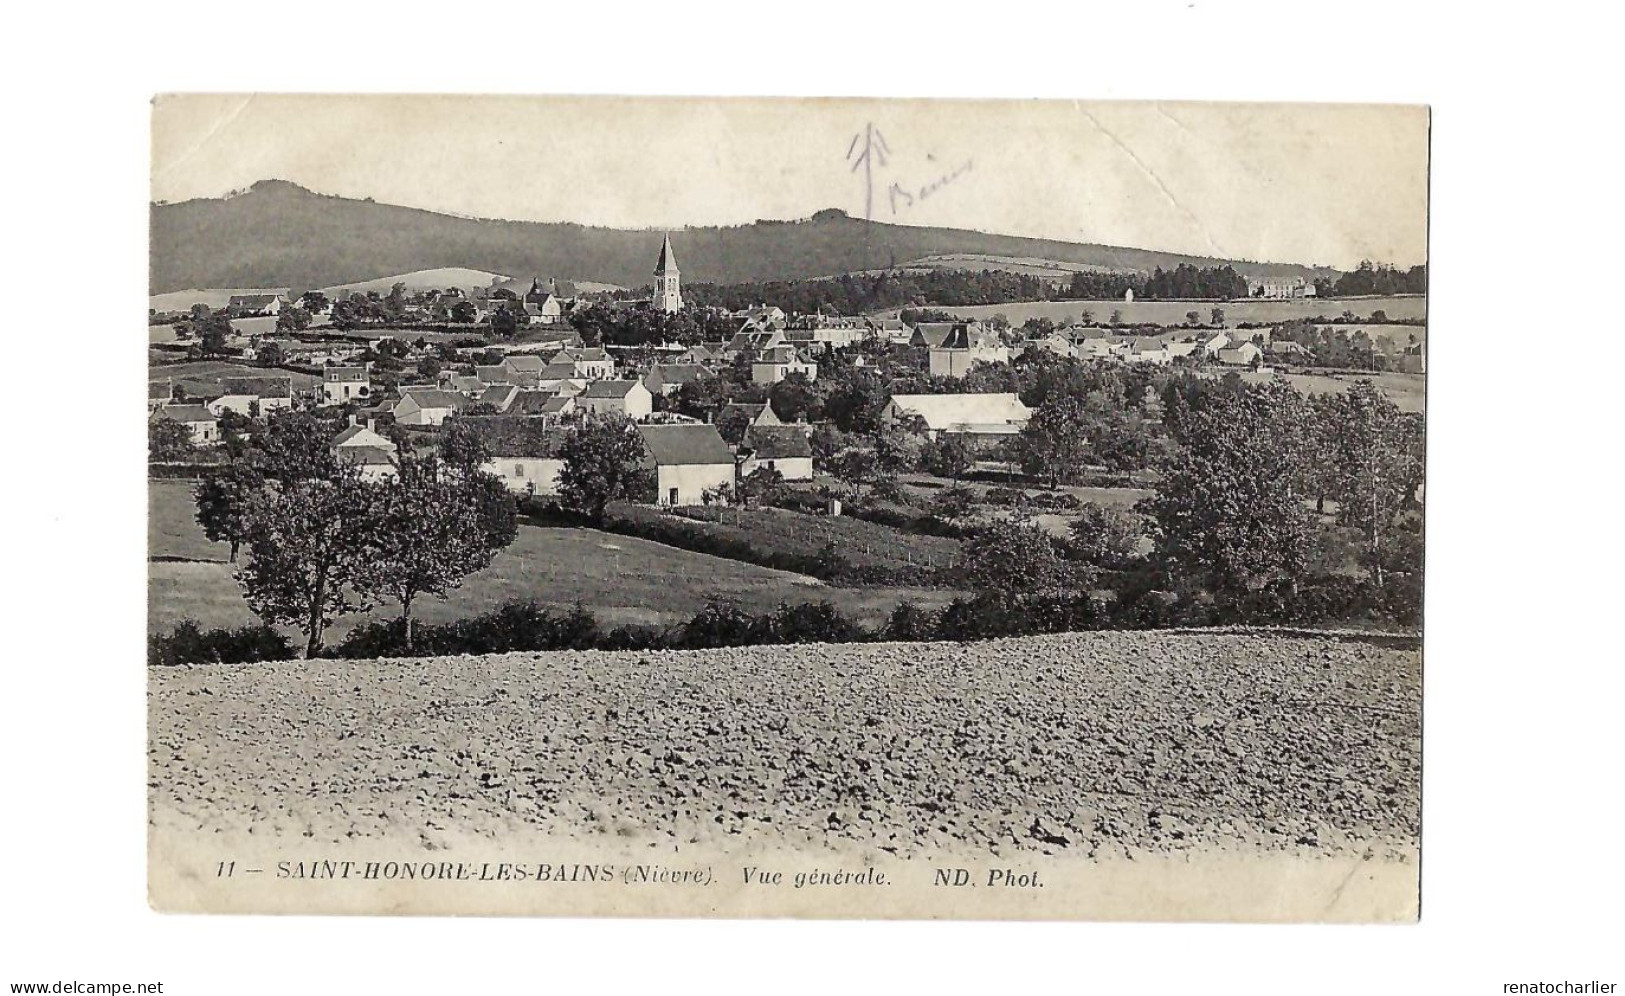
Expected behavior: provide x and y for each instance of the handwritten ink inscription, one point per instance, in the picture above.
(868, 149)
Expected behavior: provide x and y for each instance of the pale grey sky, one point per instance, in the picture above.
(1301, 183)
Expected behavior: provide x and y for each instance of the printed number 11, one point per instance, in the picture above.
(225, 869)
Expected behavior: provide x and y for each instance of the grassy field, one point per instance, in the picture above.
(858, 542)
(202, 377)
(1407, 391)
(621, 579)
(1173, 312)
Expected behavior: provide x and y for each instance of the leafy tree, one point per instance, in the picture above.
(426, 537)
(505, 321)
(214, 332)
(603, 462)
(1011, 557)
(1117, 317)
(793, 398)
(223, 499)
(1373, 465)
(462, 447)
(293, 447)
(464, 312)
(761, 485)
(308, 547)
(429, 368)
(315, 302)
(949, 455)
(1230, 509)
(168, 441)
(1192, 317)
(1106, 535)
(270, 355)
(953, 504)
(1217, 317)
(1054, 444)
(292, 320)
(858, 468)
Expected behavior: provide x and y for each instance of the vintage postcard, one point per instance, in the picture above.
(812, 508)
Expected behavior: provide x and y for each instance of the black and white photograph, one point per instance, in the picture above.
(749, 507)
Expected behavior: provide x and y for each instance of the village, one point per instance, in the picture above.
(873, 455)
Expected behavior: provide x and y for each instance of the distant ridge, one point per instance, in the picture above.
(278, 234)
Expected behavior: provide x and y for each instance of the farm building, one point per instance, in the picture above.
(783, 448)
(248, 395)
(965, 345)
(248, 305)
(616, 397)
(1243, 355)
(362, 446)
(427, 406)
(669, 378)
(961, 414)
(688, 460)
(203, 424)
(523, 452)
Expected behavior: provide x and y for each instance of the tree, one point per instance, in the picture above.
(793, 398)
(953, 504)
(857, 467)
(1374, 465)
(949, 455)
(603, 462)
(294, 447)
(464, 313)
(429, 368)
(462, 447)
(213, 333)
(1011, 557)
(1231, 510)
(308, 546)
(1117, 317)
(1106, 535)
(168, 441)
(1054, 444)
(426, 537)
(315, 302)
(1192, 317)
(1217, 316)
(505, 322)
(270, 355)
(223, 499)
(761, 485)
(292, 320)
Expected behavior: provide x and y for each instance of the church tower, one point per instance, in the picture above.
(668, 295)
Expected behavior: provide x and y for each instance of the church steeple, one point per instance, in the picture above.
(668, 296)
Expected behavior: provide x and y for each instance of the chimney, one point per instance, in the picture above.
(352, 420)
(372, 425)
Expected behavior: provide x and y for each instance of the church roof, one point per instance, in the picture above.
(668, 259)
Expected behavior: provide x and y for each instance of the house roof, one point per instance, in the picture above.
(960, 411)
(776, 442)
(500, 396)
(778, 355)
(188, 413)
(610, 388)
(258, 387)
(531, 403)
(431, 397)
(252, 300)
(580, 354)
(511, 436)
(685, 445)
(361, 437)
(678, 373)
(344, 373)
(762, 414)
(523, 362)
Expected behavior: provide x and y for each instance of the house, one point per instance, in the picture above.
(427, 405)
(754, 341)
(669, 378)
(1244, 355)
(965, 345)
(202, 423)
(762, 414)
(540, 404)
(345, 384)
(783, 448)
(543, 304)
(361, 445)
(701, 355)
(254, 395)
(523, 453)
(498, 397)
(246, 305)
(616, 397)
(1055, 343)
(688, 460)
(931, 335)
(1149, 349)
(960, 414)
(1280, 288)
(773, 365)
(587, 364)
(1286, 349)
(763, 316)
(891, 330)
(451, 380)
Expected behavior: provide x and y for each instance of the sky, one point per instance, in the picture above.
(1323, 184)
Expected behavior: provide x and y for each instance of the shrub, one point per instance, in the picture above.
(909, 623)
(811, 622)
(187, 644)
(720, 625)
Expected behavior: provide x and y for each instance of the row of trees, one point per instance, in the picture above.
(322, 542)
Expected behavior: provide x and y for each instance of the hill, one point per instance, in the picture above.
(438, 278)
(280, 234)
